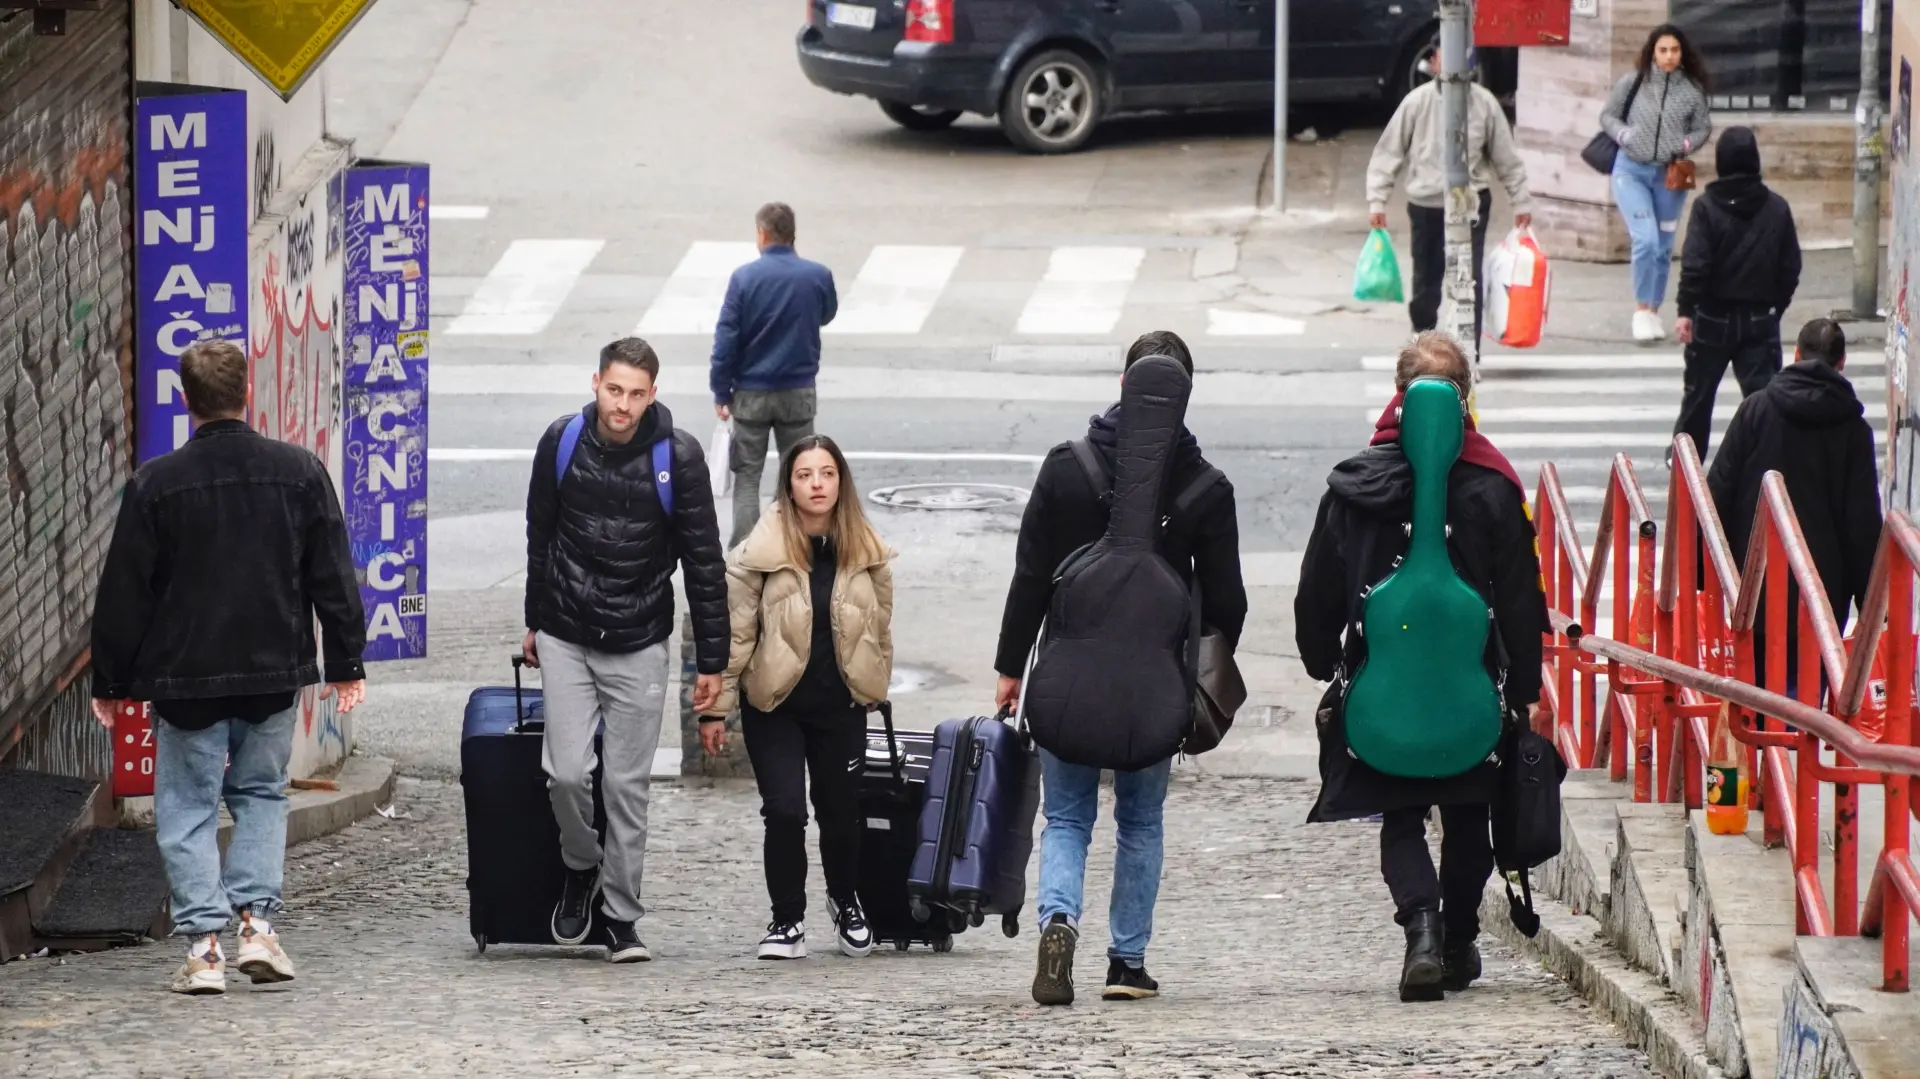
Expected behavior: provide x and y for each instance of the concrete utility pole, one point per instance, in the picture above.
(1456, 41)
(1280, 33)
(1867, 147)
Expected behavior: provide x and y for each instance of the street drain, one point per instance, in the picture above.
(949, 496)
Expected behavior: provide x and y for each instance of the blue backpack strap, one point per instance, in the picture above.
(663, 473)
(569, 441)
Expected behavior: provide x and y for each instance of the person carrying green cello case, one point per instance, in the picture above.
(1420, 601)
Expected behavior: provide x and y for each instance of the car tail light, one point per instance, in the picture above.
(930, 20)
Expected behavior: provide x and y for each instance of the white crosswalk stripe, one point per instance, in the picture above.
(1628, 405)
(690, 301)
(525, 289)
(1083, 292)
(896, 290)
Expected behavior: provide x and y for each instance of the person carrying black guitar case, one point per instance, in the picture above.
(1113, 675)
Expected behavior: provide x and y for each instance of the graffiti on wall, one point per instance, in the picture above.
(65, 306)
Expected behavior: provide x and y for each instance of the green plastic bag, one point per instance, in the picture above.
(1376, 278)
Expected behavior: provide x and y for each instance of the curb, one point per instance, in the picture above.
(1572, 947)
(366, 783)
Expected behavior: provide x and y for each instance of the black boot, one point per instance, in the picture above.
(1420, 978)
(1462, 962)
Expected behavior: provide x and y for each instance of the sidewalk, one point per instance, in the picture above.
(1300, 262)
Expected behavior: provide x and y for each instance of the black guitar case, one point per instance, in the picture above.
(1111, 685)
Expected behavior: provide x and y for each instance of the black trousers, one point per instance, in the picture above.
(785, 746)
(1466, 864)
(1430, 263)
(1747, 339)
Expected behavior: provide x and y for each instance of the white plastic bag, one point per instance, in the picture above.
(720, 459)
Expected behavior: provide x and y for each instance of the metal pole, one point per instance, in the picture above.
(1866, 168)
(1456, 40)
(1280, 105)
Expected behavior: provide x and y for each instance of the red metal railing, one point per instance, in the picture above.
(1683, 657)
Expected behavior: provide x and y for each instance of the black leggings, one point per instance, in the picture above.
(785, 746)
(1466, 864)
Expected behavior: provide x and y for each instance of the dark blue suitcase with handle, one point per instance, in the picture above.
(976, 830)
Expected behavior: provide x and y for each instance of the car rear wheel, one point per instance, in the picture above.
(918, 117)
(1052, 103)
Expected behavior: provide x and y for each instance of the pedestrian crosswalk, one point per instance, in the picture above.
(1080, 291)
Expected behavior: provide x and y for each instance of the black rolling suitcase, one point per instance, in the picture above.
(514, 872)
(893, 788)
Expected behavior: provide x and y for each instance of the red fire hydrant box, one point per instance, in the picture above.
(1507, 23)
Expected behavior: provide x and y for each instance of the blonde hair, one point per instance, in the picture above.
(1433, 354)
(853, 536)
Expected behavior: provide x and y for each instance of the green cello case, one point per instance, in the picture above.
(1423, 704)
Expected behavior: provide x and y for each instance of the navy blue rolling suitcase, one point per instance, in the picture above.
(892, 790)
(514, 871)
(976, 830)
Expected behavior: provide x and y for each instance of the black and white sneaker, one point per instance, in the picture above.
(784, 941)
(573, 915)
(624, 944)
(1053, 979)
(850, 925)
(1126, 982)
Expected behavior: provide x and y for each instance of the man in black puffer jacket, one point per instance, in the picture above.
(1810, 427)
(1738, 274)
(1067, 511)
(601, 547)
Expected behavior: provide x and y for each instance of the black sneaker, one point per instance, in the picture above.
(784, 941)
(624, 944)
(1127, 982)
(1053, 981)
(573, 915)
(1461, 965)
(850, 925)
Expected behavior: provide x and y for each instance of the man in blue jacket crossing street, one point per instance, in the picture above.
(766, 353)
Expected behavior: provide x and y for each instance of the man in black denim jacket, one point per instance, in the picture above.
(225, 552)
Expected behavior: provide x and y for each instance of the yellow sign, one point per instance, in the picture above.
(281, 40)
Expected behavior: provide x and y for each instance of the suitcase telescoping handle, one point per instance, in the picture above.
(519, 706)
(894, 761)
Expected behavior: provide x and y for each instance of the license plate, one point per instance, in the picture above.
(850, 15)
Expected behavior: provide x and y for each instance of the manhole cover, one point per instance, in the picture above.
(949, 496)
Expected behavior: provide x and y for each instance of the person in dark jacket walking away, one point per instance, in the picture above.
(225, 553)
(1738, 274)
(811, 597)
(601, 549)
(1658, 114)
(1067, 512)
(766, 355)
(1808, 425)
(1358, 535)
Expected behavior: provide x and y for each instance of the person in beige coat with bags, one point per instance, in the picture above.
(810, 596)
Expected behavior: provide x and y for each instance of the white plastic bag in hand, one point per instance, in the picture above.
(720, 459)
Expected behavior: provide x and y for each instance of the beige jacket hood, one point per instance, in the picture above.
(770, 604)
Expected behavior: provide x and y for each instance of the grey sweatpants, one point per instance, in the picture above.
(626, 690)
(785, 414)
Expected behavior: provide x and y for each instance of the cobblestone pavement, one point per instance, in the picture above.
(1274, 947)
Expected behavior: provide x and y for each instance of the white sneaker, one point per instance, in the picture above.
(1646, 326)
(261, 957)
(850, 925)
(784, 941)
(204, 974)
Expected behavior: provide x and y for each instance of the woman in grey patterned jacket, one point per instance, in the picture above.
(1658, 114)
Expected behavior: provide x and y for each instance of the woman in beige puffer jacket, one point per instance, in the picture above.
(810, 596)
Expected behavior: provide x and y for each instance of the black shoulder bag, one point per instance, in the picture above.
(1601, 150)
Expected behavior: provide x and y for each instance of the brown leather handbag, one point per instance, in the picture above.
(1680, 175)
(1218, 693)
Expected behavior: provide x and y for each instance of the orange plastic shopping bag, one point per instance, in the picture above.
(1517, 281)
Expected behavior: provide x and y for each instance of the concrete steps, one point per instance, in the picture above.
(65, 882)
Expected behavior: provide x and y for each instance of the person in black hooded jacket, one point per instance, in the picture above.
(1065, 513)
(1738, 273)
(1810, 427)
(1358, 535)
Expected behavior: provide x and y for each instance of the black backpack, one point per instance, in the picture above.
(1112, 679)
(1526, 815)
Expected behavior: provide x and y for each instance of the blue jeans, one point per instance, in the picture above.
(1652, 214)
(1072, 799)
(191, 775)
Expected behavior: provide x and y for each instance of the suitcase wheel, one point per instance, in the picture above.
(943, 943)
(957, 922)
(902, 945)
(1010, 924)
(976, 919)
(919, 911)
